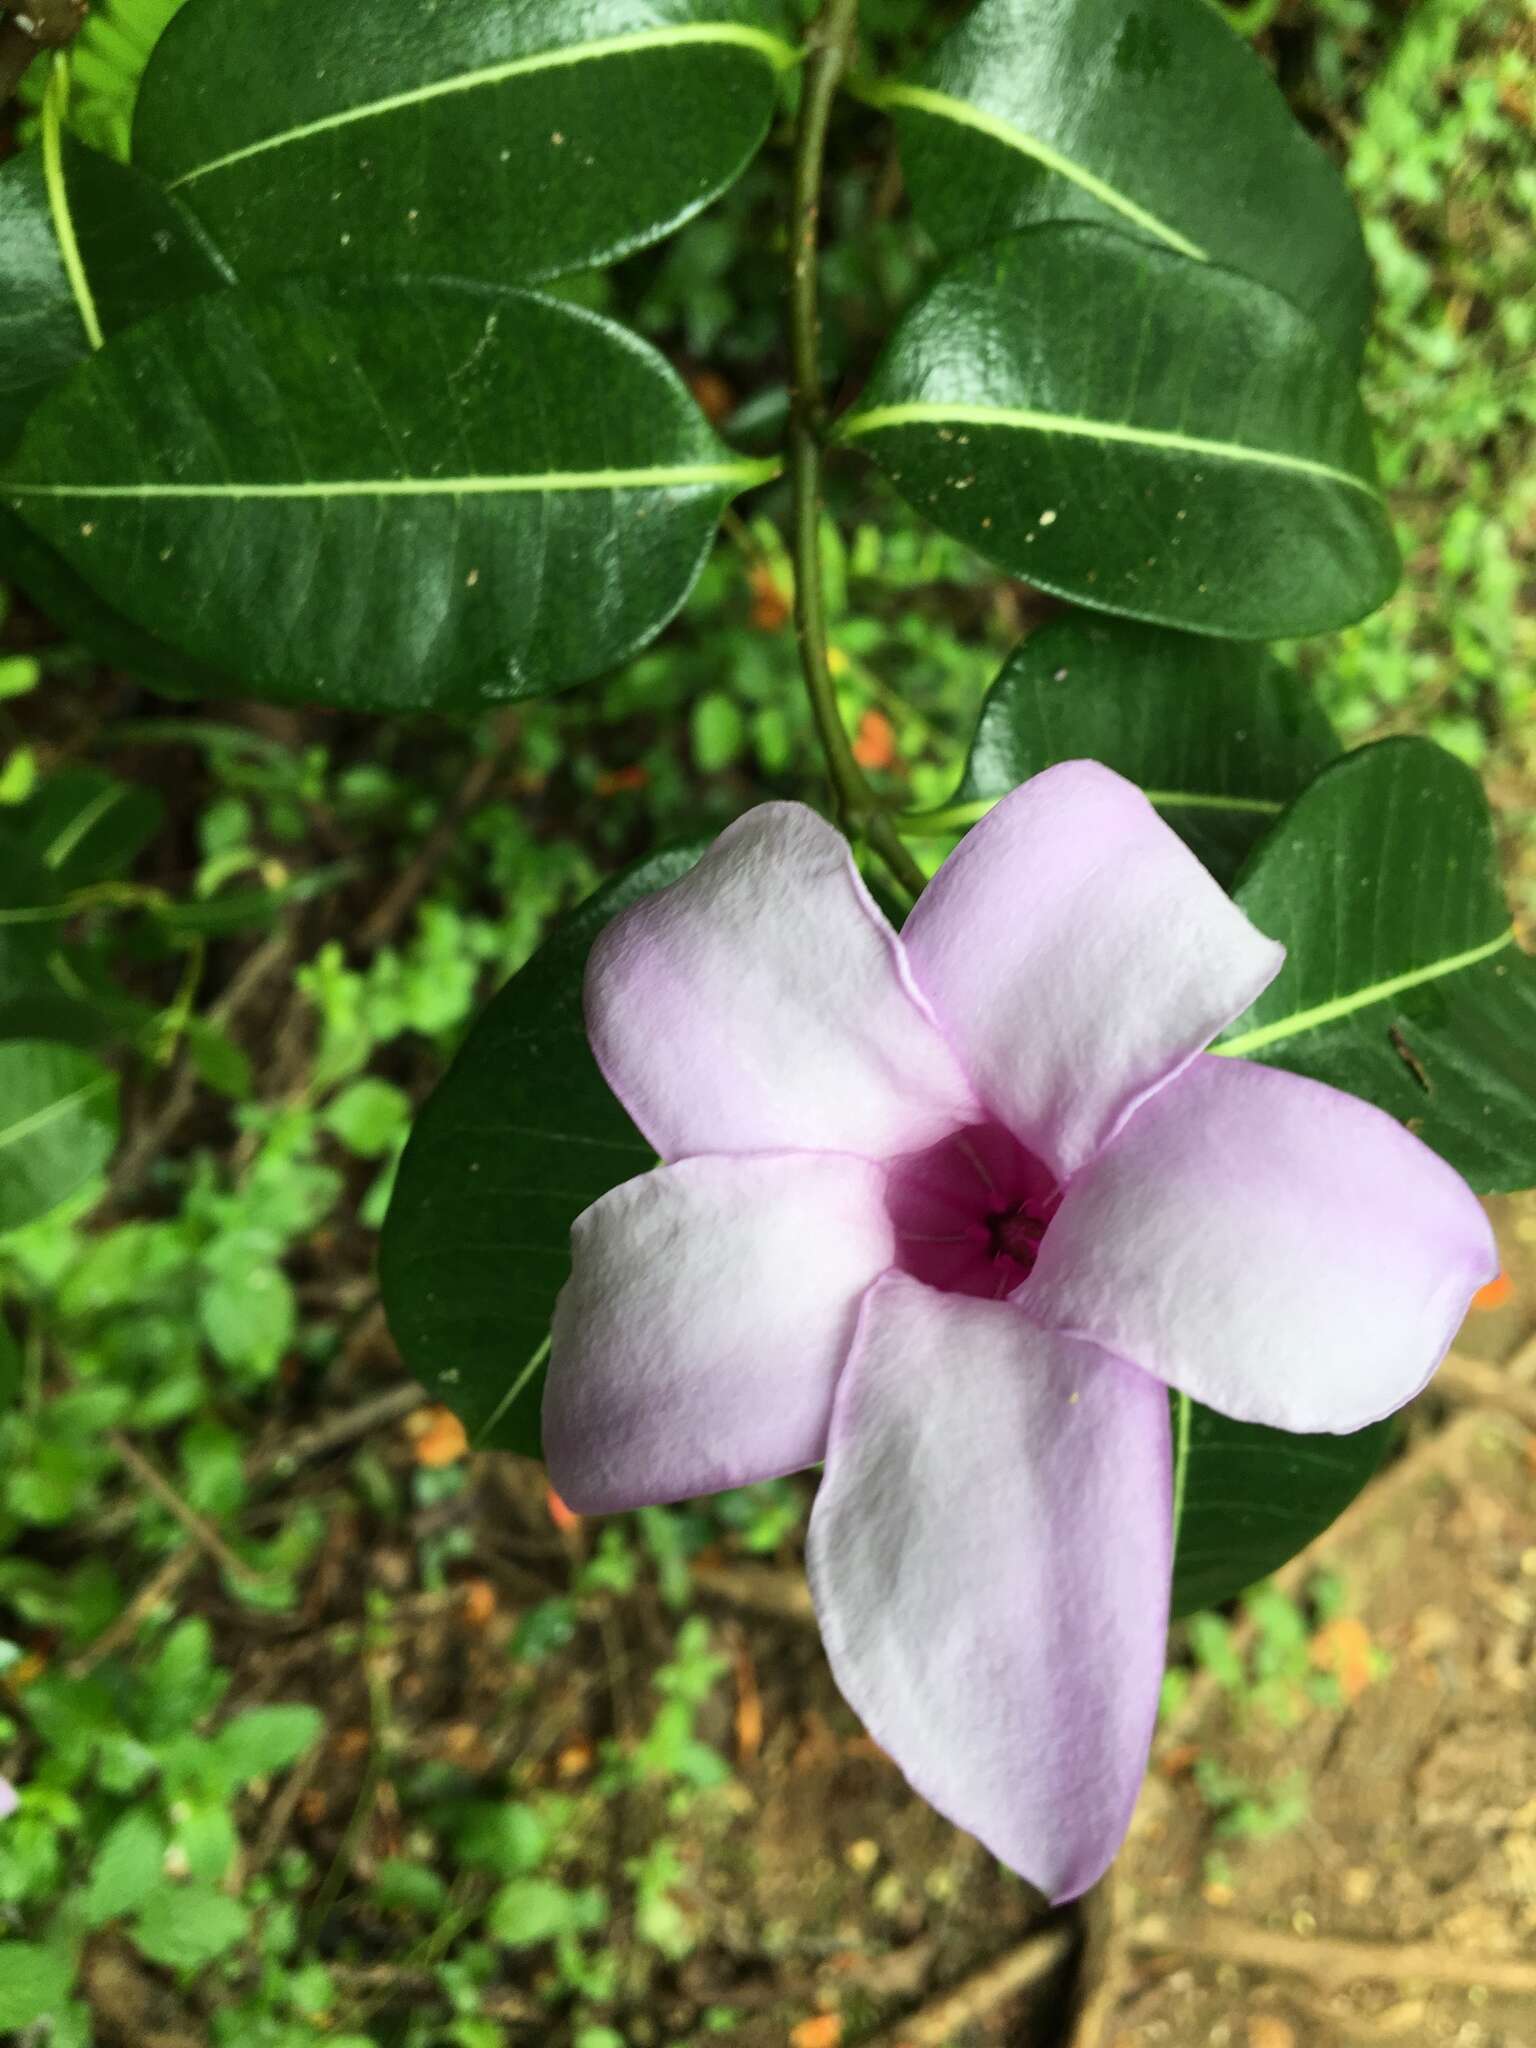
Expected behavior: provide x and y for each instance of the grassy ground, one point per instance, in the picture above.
(331, 1733)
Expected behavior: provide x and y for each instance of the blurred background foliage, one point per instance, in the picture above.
(325, 1731)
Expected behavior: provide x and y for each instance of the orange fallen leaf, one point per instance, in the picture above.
(1497, 1294)
(874, 744)
(771, 604)
(749, 1706)
(715, 398)
(439, 1436)
(825, 2031)
(479, 1602)
(1343, 1647)
(575, 1758)
(565, 1519)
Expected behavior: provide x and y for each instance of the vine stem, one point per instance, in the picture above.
(859, 809)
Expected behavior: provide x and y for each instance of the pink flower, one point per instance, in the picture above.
(952, 1211)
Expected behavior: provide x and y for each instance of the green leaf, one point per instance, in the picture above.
(264, 1740)
(128, 1866)
(531, 1910)
(34, 1982)
(1155, 118)
(136, 252)
(393, 497)
(368, 1117)
(248, 1312)
(1402, 982)
(186, 1926)
(400, 1886)
(504, 143)
(522, 1134)
(1248, 1498)
(86, 826)
(58, 1126)
(1221, 737)
(1150, 436)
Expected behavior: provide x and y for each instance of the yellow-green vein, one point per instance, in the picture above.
(960, 817)
(55, 107)
(945, 107)
(940, 413)
(1313, 1019)
(510, 1396)
(740, 474)
(780, 55)
(52, 1111)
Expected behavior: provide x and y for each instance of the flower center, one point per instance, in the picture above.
(970, 1213)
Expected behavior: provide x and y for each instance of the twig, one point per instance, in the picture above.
(270, 958)
(202, 1531)
(1488, 1386)
(861, 811)
(1332, 1964)
(387, 1981)
(781, 1596)
(279, 1460)
(936, 2024)
(163, 1586)
(396, 904)
(321, 1438)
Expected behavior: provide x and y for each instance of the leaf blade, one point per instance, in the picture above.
(1149, 437)
(1162, 121)
(1403, 981)
(362, 154)
(262, 446)
(521, 1135)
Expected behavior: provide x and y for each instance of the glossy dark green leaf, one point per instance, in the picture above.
(520, 1137)
(58, 1125)
(1154, 437)
(507, 143)
(87, 826)
(392, 497)
(1221, 737)
(1249, 1498)
(70, 603)
(1152, 116)
(136, 252)
(1403, 981)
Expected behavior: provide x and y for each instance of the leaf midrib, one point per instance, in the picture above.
(936, 412)
(1317, 1015)
(780, 55)
(52, 1111)
(741, 474)
(946, 106)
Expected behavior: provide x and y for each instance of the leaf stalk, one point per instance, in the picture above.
(860, 810)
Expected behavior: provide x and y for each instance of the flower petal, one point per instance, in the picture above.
(1077, 955)
(1275, 1248)
(990, 1554)
(707, 1316)
(762, 1003)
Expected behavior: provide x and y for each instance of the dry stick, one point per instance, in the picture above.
(934, 2025)
(179, 1566)
(395, 906)
(163, 1586)
(1332, 1964)
(135, 1160)
(1490, 1386)
(202, 1532)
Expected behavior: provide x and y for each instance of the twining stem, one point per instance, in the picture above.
(861, 811)
(55, 107)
